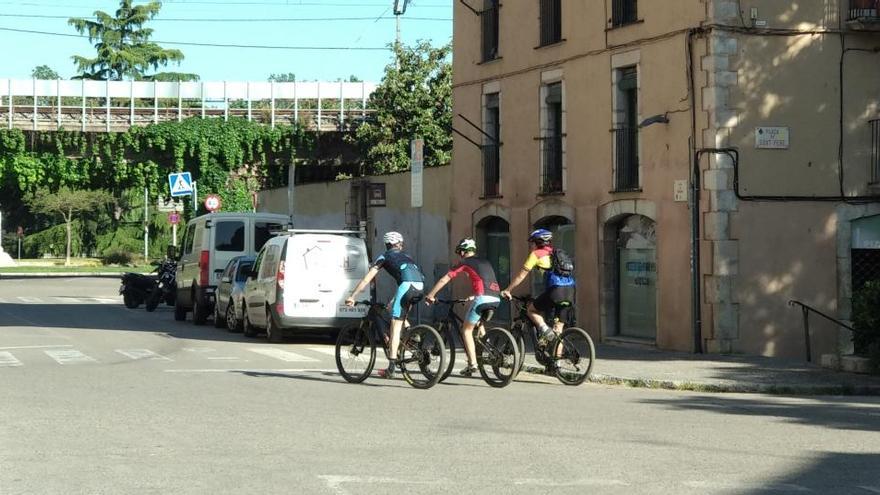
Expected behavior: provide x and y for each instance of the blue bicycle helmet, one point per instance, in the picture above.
(541, 236)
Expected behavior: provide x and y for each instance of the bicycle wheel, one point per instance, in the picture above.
(422, 356)
(574, 355)
(355, 352)
(497, 357)
(447, 331)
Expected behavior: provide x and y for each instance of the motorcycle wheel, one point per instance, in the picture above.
(153, 300)
(130, 300)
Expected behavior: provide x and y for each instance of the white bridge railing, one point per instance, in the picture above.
(113, 106)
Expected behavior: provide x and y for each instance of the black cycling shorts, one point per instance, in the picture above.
(553, 302)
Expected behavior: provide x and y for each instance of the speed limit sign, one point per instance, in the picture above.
(212, 202)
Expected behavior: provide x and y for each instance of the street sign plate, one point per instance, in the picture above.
(212, 202)
(174, 218)
(168, 205)
(181, 184)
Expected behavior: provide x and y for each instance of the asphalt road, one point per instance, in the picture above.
(96, 398)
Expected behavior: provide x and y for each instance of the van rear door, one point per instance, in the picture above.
(321, 271)
(229, 242)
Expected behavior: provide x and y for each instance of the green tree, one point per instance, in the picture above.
(288, 77)
(44, 72)
(68, 202)
(123, 46)
(413, 99)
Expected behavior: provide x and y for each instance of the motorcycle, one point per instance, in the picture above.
(166, 285)
(136, 288)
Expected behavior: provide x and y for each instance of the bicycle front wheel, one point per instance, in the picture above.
(574, 355)
(518, 332)
(422, 356)
(355, 352)
(447, 331)
(497, 357)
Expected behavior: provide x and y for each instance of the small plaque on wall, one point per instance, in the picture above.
(376, 194)
(772, 138)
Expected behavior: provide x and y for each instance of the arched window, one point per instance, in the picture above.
(493, 244)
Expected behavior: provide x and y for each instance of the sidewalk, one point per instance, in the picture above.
(617, 365)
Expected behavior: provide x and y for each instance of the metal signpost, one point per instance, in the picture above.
(417, 161)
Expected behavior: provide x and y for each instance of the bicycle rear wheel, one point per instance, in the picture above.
(518, 332)
(574, 355)
(422, 356)
(497, 357)
(355, 352)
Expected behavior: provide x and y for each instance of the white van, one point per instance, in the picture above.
(209, 242)
(301, 280)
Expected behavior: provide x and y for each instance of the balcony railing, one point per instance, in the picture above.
(863, 10)
(551, 166)
(489, 27)
(491, 170)
(623, 12)
(874, 172)
(626, 159)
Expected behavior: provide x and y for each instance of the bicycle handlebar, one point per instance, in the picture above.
(452, 301)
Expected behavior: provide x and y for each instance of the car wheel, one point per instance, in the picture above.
(273, 332)
(232, 322)
(200, 312)
(247, 328)
(179, 312)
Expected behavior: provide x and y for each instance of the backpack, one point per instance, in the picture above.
(561, 263)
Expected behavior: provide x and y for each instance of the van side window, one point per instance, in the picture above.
(263, 232)
(188, 239)
(229, 236)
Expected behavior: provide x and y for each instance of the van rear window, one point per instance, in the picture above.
(229, 236)
(263, 232)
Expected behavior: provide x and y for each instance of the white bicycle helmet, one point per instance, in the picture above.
(392, 238)
(465, 245)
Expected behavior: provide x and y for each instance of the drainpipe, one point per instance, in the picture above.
(696, 293)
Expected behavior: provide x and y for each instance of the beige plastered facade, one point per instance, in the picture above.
(717, 75)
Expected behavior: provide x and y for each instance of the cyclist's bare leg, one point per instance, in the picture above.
(396, 325)
(536, 316)
(467, 336)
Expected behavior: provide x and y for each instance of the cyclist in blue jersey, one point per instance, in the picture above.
(410, 283)
(485, 291)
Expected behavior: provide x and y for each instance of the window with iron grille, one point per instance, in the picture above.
(863, 10)
(489, 30)
(551, 22)
(874, 172)
(626, 132)
(551, 140)
(492, 146)
(623, 12)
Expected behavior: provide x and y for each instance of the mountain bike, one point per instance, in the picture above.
(569, 355)
(421, 355)
(496, 349)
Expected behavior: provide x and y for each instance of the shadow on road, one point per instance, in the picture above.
(828, 473)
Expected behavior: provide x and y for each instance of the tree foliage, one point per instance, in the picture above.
(44, 72)
(413, 100)
(123, 45)
(67, 202)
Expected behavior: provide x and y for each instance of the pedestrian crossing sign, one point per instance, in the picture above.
(181, 184)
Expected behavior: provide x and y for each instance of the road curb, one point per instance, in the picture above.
(727, 387)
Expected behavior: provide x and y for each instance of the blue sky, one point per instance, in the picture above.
(24, 51)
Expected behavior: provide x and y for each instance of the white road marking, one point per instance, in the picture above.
(30, 300)
(70, 300)
(290, 357)
(70, 356)
(330, 351)
(557, 483)
(871, 489)
(225, 358)
(253, 370)
(335, 482)
(7, 360)
(105, 300)
(137, 354)
(752, 487)
(198, 349)
(36, 346)
(2, 301)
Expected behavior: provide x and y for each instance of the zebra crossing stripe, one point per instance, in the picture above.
(105, 300)
(7, 360)
(30, 300)
(69, 356)
(290, 357)
(70, 300)
(138, 354)
(330, 351)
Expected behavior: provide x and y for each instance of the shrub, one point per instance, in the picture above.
(118, 258)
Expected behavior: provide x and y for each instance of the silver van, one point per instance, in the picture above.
(209, 242)
(301, 280)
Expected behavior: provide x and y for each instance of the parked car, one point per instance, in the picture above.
(301, 280)
(209, 242)
(229, 296)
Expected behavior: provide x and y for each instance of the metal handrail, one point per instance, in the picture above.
(806, 309)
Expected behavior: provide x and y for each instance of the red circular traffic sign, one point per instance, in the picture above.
(212, 202)
(174, 218)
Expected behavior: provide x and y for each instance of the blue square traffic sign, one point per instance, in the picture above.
(181, 184)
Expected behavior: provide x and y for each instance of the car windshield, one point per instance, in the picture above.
(243, 270)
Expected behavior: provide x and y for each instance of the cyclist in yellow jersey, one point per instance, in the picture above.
(558, 288)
